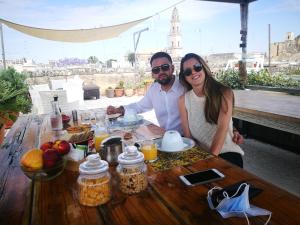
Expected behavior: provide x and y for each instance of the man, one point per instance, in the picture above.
(162, 96)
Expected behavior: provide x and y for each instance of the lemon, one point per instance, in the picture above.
(33, 159)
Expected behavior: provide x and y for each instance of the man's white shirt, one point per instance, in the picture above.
(165, 105)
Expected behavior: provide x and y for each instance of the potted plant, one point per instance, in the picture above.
(129, 90)
(110, 92)
(147, 84)
(119, 90)
(140, 90)
(14, 96)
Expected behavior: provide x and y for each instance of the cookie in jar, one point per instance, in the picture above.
(94, 181)
(132, 171)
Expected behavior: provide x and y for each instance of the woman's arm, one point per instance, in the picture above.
(223, 122)
(184, 117)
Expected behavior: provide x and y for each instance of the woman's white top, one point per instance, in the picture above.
(203, 131)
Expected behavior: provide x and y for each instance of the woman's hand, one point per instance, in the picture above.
(237, 137)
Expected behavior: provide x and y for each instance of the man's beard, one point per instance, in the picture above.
(165, 81)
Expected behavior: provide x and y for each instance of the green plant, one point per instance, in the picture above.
(263, 78)
(230, 78)
(93, 60)
(128, 86)
(14, 95)
(131, 58)
(120, 85)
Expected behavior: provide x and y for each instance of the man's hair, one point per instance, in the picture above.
(161, 55)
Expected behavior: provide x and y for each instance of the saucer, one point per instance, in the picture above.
(188, 144)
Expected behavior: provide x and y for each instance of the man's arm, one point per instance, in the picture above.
(144, 105)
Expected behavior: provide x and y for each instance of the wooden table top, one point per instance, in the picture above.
(276, 110)
(165, 201)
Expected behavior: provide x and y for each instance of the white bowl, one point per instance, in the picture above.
(172, 141)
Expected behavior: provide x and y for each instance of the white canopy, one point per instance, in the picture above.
(79, 35)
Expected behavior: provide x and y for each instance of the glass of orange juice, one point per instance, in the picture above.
(149, 149)
(100, 135)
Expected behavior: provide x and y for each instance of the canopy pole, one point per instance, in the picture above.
(135, 44)
(243, 45)
(2, 46)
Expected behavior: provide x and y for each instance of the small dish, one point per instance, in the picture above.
(124, 122)
(188, 144)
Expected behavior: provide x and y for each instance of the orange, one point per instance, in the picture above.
(33, 159)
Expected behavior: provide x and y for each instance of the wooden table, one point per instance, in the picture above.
(165, 201)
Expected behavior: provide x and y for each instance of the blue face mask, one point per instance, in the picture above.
(237, 205)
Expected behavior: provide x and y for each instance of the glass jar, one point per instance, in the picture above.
(94, 181)
(132, 171)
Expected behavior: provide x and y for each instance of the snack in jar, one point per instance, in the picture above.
(94, 181)
(132, 171)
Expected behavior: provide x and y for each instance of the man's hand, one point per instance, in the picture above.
(237, 138)
(113, 110)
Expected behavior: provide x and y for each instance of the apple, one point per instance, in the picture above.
(55, 144)
(50, 158)
(62, 146)
(65, 118)
(46, 145)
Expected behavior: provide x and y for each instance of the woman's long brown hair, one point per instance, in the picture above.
(213, 90)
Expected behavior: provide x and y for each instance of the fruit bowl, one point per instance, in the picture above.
(45, 174)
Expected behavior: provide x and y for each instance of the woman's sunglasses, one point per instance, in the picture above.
(163, 67)
(197, 68)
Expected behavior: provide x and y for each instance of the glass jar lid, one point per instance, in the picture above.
(93, 165)
(131, 156)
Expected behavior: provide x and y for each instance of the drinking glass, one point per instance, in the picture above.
(100, 135)
(85, 118)
(149, 149)
(100, 118)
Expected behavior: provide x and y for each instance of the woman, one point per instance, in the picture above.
(206, 110)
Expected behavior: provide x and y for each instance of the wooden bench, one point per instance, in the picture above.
(271, 109)
(275, 121)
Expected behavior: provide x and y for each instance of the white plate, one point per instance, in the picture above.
(128, 123)
(189, 143)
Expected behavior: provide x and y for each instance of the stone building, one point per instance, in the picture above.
(174, 45)
(288, 49)
(174, 37)
(174, 40)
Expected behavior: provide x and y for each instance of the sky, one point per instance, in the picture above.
(206, 27)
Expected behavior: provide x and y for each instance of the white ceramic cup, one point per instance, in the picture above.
(172, 141)
(130, 115)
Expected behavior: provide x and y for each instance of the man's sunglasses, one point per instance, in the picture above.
(197, 68)
(163, 67)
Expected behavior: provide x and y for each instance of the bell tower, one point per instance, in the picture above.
(175, 48)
